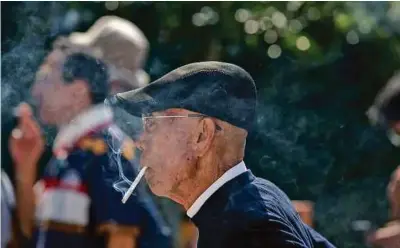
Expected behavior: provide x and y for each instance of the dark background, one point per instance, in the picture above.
(312, 137)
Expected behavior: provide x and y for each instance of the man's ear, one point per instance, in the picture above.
(204, 136)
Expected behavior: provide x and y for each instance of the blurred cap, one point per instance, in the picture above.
(221, 90)
(386, 107)
(119, 43)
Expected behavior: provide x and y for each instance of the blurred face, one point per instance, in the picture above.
(167, 146)
(51, 94)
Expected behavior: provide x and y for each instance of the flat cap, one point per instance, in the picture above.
(221, 90)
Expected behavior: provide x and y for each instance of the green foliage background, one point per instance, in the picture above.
(312, 137)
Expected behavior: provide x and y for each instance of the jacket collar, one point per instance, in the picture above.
(226, 177)
(217, 203)
(92, 120)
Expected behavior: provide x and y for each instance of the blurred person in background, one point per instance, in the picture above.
(386, 112)
(70, 89)
(73, 203)
(123, 47)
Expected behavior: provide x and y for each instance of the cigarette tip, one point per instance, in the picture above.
(126, 195)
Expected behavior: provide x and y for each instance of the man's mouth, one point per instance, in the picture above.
(149, 174)
(144, 165)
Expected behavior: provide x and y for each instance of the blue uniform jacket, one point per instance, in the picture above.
(79, 195)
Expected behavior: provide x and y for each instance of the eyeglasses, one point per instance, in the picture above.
(149, 124)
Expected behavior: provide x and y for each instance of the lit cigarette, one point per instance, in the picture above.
(134, 184)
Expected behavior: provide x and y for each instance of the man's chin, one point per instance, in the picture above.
(155, 188)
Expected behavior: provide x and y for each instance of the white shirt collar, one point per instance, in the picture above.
(90, 120)
(227, 176)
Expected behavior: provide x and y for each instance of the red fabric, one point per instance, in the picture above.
(51, 183)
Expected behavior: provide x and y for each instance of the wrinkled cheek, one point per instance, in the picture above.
(153, 156)
(167, 155)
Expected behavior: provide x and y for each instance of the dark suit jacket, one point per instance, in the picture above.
(250, 212)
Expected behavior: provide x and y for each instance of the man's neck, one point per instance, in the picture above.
(194, 191)
(191, 189)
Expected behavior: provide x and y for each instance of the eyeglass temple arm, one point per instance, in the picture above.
(219, 128)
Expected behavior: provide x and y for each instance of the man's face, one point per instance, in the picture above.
(51, 94)
(167, 151)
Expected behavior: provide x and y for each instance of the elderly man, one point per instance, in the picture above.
(386, 112)
(196, 119)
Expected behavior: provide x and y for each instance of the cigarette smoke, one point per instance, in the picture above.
(29, 28)
(29, 40)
